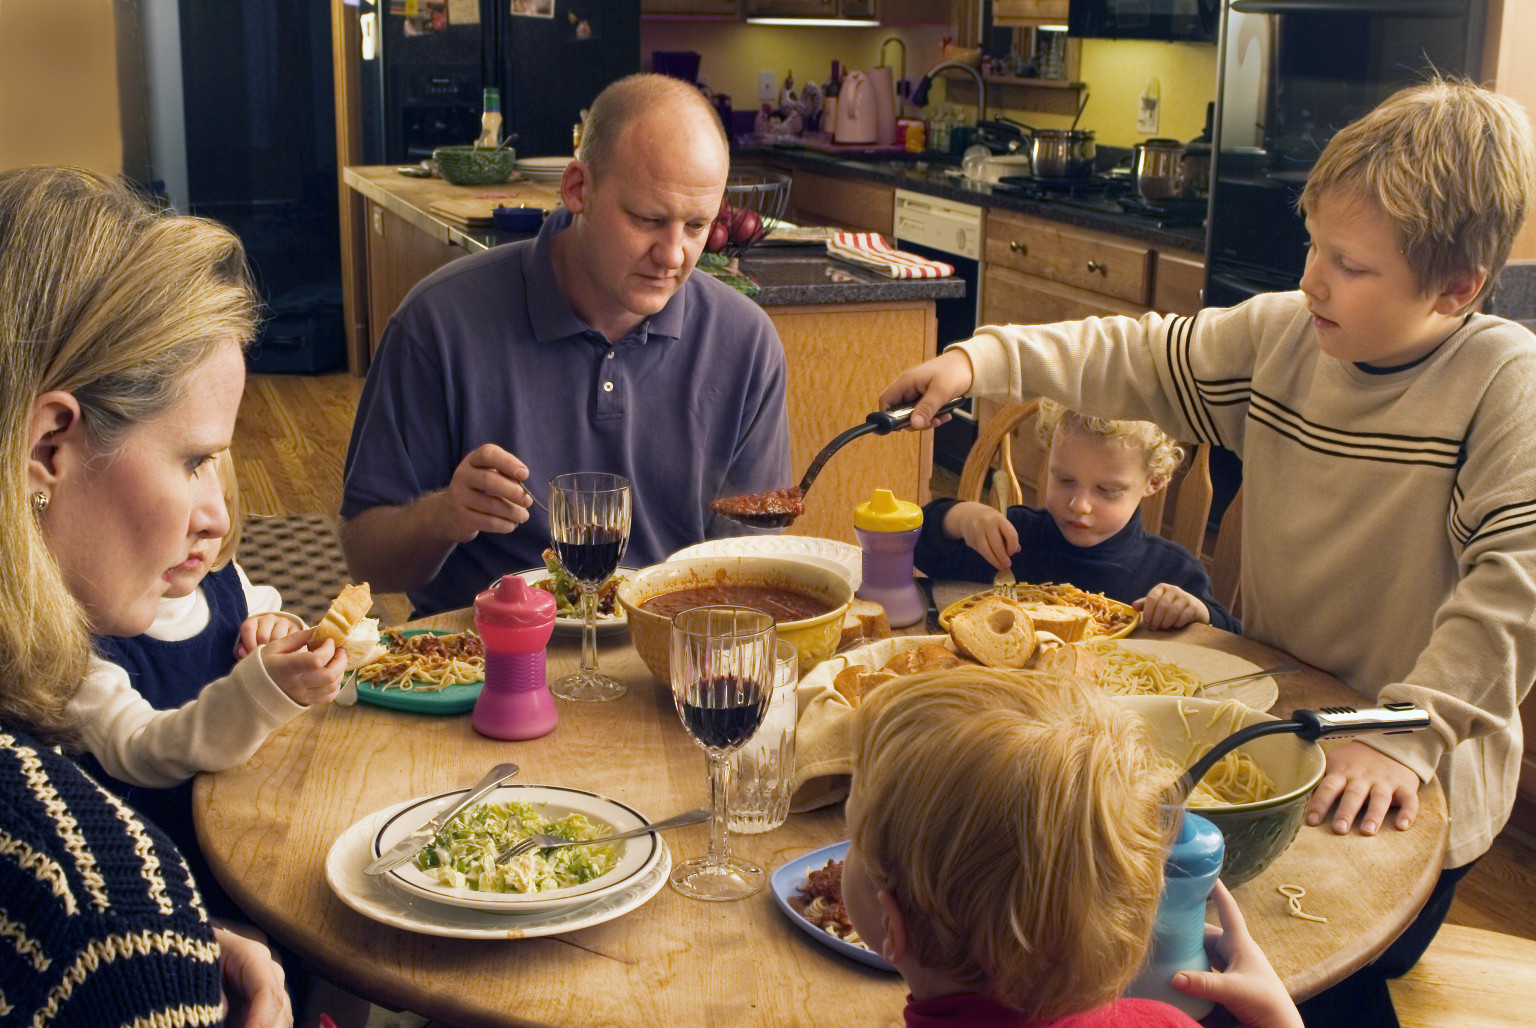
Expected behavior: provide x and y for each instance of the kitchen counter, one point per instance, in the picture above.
(938, 175)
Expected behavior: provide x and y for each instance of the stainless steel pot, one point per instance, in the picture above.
(1062, 153)
(1157, 169)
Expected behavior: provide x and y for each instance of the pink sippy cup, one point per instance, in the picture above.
(515, 621)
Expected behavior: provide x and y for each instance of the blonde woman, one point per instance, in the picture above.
(121, 368)
(1014, 881)
(1088, 533)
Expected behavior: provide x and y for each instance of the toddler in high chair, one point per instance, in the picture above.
(1089, 533)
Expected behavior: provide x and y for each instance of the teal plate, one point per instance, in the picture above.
(456, 699)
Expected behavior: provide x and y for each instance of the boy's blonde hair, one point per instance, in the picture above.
(229, 482)
(1160, 454)
(1028, 860)
(1451, 164)
(117, 303)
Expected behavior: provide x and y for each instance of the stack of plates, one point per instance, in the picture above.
(542, 169)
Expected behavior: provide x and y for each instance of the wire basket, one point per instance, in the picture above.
(755, 199)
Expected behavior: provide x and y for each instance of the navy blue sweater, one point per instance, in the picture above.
(1123, 567)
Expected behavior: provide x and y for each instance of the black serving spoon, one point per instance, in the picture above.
(1311, 725)
(880, 422)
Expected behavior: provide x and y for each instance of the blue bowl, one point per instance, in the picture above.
(518, 219)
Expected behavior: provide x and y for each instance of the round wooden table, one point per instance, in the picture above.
(266, 829)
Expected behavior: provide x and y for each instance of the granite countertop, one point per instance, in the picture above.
(937, 175)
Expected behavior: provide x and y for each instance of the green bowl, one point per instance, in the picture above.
(474, 165)
(1255, 833)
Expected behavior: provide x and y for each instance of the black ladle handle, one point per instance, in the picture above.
(1312, 725)
(880, 422)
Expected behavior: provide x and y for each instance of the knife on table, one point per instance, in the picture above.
(414, 843)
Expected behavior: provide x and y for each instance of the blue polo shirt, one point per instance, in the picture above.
(689, 407)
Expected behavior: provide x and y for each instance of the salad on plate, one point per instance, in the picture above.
(463, 855)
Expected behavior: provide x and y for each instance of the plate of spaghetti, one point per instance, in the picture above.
(1111, 618)
(425, 671)
(1160, 667)
(809, 889)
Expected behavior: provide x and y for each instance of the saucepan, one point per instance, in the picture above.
(1062, 153)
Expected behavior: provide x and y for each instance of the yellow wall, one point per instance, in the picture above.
(58, 75)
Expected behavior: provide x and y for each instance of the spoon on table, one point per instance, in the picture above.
(1311, 725)
(780, 507)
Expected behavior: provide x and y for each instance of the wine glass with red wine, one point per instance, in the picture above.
(722, 680)
(589, 530)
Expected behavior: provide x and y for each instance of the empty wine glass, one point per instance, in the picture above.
(589, 530)
(722, 680)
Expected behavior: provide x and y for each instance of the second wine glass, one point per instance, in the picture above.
(589, 530)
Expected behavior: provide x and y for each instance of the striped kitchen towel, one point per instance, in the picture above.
(870, 250)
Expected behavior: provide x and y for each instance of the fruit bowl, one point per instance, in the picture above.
(754, 203)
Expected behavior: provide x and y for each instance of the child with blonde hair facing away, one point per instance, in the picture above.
(220, 669)
(1379, 416)
(1014, 881)
(1089, 533)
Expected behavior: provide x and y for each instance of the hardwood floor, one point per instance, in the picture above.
(291, 438)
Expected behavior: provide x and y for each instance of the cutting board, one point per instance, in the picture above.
(475, 211)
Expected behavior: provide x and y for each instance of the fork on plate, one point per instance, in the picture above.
(540, 841)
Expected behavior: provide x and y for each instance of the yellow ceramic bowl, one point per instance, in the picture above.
(815, 638)
(1130, 617)
(1258, 832)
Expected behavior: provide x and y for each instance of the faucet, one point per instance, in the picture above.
(920, 97)
(901, 43)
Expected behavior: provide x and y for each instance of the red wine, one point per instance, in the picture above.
(592, 553)
(722, 713)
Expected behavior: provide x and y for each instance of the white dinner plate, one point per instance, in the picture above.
(553, 801)
(787, 880)
(1210, 666)
(843, 558)
(607, 624)
(542, 169)
(377, 900)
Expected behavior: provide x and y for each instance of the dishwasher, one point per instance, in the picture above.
(944, 230)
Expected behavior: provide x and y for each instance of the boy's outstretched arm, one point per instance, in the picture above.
(1245, 983)
(932, 384)
(1360, 777)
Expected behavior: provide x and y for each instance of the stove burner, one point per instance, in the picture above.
(1037, 187)
(1169, 213)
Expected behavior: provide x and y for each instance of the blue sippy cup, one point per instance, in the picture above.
(1178, 940)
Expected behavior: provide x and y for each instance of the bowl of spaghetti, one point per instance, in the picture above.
(1111, 618)
(1256, 794)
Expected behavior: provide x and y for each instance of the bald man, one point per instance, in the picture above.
(592, 347)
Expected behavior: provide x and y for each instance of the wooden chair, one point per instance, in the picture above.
(1226, 560)
(1468, 976)
(991, 475)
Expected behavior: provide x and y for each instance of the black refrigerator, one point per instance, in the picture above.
(423, 86)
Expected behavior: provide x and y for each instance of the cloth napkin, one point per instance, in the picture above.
(870, 250)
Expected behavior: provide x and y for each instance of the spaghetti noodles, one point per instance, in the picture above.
(1234, 779)
(1129, 673)
(820, 901)
(1293, 895)
(1110, 617)
(426, 662)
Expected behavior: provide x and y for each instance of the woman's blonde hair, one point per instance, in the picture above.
(1450, 163)
(1160, 454)
(1027, 861)
(117, 303)
(229, 483)
(626, 100)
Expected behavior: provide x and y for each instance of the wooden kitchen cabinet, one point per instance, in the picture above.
(1178, 283)
(728, 8)
(810, 8)
(1096, 262)
(842, 202)
(399, 256)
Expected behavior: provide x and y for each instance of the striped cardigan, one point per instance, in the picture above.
(1389, 520)
(100, 922)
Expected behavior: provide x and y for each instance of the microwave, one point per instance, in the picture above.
(1189, 21)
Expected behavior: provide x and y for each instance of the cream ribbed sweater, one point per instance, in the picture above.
(1388, 521)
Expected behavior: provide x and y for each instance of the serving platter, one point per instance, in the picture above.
(377, 900)
(1125, 609)
(607, 624)
(786, 881)
(637, 858)
(454, 699)
(844, 558)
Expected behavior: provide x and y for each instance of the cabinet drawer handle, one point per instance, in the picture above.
(1018, 247)
(1102, 269)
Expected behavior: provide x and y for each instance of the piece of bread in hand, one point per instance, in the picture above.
(1069, 624)
(348, 625)
(855, 680)
(996, 631)
(865, 620)
(1072, 659)
(927, 657)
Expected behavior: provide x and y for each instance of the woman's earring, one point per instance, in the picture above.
(39, 503)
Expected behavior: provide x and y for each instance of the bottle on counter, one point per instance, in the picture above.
(829, 99)
(888, 529)
(490, 119)
(515, 621)
(1178, 938)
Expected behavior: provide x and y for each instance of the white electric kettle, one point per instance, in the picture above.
(858, 115)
